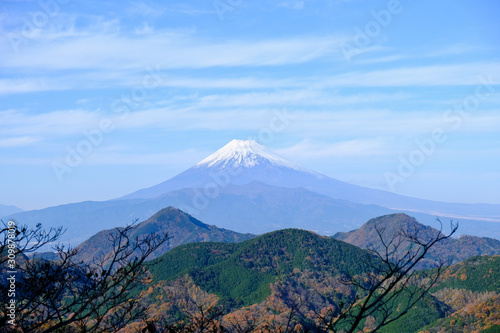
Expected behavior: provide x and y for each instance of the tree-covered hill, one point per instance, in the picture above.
(241, 273)
(269, 277)
(477, 274)
(472, 291)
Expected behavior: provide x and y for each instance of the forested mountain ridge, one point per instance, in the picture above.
(471, 289)
(181, 227)
(472, 305)
(240, 273)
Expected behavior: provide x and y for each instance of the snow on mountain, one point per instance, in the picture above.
(237, 163)
(247, 154)
(242, 162)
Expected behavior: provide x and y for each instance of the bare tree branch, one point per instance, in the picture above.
(390, 281)
(94, 296)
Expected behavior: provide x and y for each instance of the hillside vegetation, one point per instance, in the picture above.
(241, 273)
(471, 289)
(295, 280)
(266, 279)
(242, 286)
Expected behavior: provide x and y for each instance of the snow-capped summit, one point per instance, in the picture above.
(238, 162)
(247, 154)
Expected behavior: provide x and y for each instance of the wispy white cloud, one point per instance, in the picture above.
(308, 150)
(292, 4)
(186, 9)
(50, 124)
(228, 83)
(19, 141)
(381, 59)
(145, 9)
(343, 123)
(167, 50)
(145, 29)
(29, 85)
(25, 160)
(432, 75)
(172, 159)
(346, 124)
(193, 119)
(420, 76)
(456, 49)
(294, 97)
(382, 54)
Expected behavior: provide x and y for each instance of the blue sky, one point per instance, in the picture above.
(101, 98)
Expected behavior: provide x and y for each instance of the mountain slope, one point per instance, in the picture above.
(9, 210)
(242, 162)
(259, 208)
(240, 273)
(477, 274)
(451, 249)
(264, 278)
(239, 162)
(469, 294)
(268, 275)
(181, 228)
(255, 208)
(472, 290)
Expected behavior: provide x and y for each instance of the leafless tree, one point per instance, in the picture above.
(69, 295)
(24, 240)
(389, 290)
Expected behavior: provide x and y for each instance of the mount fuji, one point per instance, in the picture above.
(247, 188)
(237, 163)
(243, 162)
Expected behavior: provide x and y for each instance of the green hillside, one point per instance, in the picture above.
(428, 310)
(278, 267)
(472, 291)
(241, 273)
(477, 274)
(465, 299)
